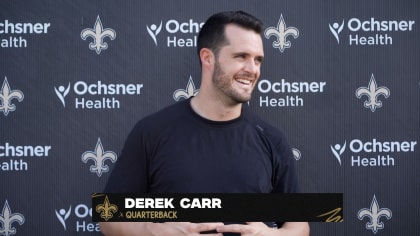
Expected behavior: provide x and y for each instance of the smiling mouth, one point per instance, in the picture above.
(244, 81)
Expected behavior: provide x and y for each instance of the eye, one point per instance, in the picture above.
(259, 60)
(241, 56)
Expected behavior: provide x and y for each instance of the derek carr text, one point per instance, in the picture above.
(166, 203)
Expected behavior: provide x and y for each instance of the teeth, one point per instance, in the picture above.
(243, 81)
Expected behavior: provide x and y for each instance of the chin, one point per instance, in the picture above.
(242, 100)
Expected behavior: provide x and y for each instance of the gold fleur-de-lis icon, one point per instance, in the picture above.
(98, 33)
(373, 92)
(106, 210)
(281, 33)
(186, 93)
(6, 97)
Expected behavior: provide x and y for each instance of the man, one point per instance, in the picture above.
(210, 143)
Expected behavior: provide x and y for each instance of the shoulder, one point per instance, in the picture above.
(167, 113)
(262, 125)
(166, 117)
(272, 134)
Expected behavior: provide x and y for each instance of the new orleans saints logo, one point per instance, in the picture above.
(99, 156)
(106, 210)
(281, 33)
(186, 93)
(7, 218)
(374, 214)
(372, 92)
(6, 97)
(98, 33)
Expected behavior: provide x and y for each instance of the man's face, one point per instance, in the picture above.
(237, 67)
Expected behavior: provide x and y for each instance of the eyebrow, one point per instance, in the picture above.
(246, 54)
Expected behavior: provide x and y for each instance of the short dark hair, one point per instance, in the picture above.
(212, 34)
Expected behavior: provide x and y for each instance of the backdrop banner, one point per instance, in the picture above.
(340, 78)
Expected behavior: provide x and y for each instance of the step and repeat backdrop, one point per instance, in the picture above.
(340, 78)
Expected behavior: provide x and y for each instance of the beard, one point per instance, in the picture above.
(223, 82)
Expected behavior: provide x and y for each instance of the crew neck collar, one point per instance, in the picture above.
(213, 122)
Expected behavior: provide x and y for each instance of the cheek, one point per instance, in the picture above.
(229, 64)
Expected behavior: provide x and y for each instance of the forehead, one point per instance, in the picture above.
(241, 39)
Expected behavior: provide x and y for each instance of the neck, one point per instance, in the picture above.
(215, 109)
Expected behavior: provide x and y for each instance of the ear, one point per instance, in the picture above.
(206, 57)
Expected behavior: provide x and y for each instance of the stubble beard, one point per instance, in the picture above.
(223, 83)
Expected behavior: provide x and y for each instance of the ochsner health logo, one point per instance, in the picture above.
(178, 33)
(371, 153)
(77, 219)
(369, 32)
(96, 95)
(16, 34)
(275, 93)
(62, 92)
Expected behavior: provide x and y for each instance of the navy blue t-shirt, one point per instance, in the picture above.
(177, 151)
